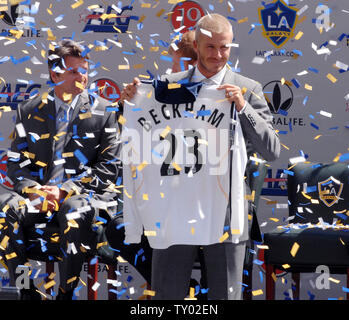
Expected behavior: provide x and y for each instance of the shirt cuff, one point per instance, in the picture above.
(243, 108)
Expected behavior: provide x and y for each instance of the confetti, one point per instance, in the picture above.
(294, 249)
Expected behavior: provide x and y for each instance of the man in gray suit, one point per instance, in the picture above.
(171, 267)
(63, 166)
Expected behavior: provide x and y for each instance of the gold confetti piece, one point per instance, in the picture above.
(142, 165)
(224, 237)
(250, 196)
(314, 201)
(52, 275)
(49, 284)
(50, 35)
(41, 164)
(4, 242)
(162, 195)
(121, 259)
(11, 255)
(331, 78)
(308, 87)
(192, 230)
(67, 96)
(286, 147)
(154, 49)
(306, 196)
(294, 249)
(39, 119)
(127, 195)
(117, 29)
(67, 154)
(146, 5)
(5, 208)
(145, 196)
(336, 159)
(85, 115)
(149, 293)
(176, 166)
(122, 120)
(318, 136)
(235, 231)
(273, 275)
(150, 233)
(77, 4)
(124, 67)
(299, 35)
(71, 279)
(334, 280)
(274, 219)
(173, 85)
(243, 20)
(160, 13)
(138, 66)
(257, 292)
(286, 266)
(101, 244)
(72, 223)
(45, 136)
(165, 132)
(79, 85)
(150, 94)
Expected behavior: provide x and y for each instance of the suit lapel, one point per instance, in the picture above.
(229, 77)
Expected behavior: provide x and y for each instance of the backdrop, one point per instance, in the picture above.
(298, 50)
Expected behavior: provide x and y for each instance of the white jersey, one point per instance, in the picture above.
(176, 170)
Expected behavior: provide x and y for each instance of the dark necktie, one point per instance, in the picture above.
(57, 172)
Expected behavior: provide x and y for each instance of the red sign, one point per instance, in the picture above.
(108, 89)
(186, 14)
(3, 169)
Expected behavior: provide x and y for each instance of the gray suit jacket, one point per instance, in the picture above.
(99, 166)
(256, 121)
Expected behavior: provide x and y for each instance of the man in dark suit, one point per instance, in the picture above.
(171, 267)
(63, 166)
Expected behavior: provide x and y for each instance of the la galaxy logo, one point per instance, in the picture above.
(330, 191)
(278, 22)
(118, 22)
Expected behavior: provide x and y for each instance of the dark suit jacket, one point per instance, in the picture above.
(256, 120)
(93, 158)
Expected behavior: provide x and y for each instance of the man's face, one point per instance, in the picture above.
(213, 52)
(75, 78)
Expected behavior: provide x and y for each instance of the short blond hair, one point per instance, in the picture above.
(213, 22)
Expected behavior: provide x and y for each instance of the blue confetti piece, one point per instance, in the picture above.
(158, 224)
(311, 189)
(255, 174)
(314, 126)
(305, 100)
(290, 173)
(202, 113)
(81, 157)
(93, 261)
(313, 70)
(296, 83)
(166, 58)
(344, 157)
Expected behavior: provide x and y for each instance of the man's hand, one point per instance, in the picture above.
(54, 195)
(233, 94)
(130, 90)
(41, 206)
